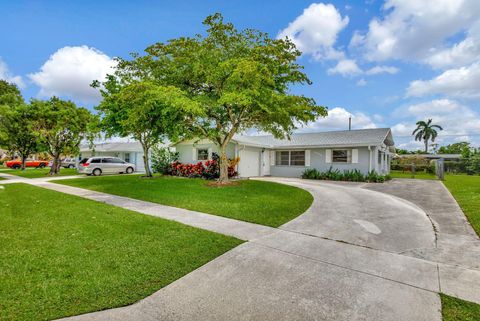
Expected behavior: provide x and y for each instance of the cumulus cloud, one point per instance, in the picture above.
(455, 118)
(315, 31)
(70, 71)
(5, 74)
(381, 69)
(462, 82)
(345, 67)
(361, 82)
(459, 54)
(416, 30)
(349, 68)
(337, 119)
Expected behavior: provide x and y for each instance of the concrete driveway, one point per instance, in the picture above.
(352, 256)
(348, 213)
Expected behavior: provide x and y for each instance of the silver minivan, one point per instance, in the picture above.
(104, 165)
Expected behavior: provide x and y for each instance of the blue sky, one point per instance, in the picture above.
(386, 63)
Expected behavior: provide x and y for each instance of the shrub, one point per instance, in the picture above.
(210, 169)
(311, 173)
(347, 175)
(162, 158)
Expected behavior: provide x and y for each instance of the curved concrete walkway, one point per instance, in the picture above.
(344, 259)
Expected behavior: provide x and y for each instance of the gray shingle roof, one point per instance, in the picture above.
(115, 147)
(359, 137)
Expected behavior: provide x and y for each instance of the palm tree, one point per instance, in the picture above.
(426, 131)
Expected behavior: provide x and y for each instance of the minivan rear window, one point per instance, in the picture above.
(83, 161)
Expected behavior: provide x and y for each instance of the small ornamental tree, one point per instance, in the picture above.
(17, 134)
(17, 131)
(239, 79)
(61, 127)
(146, 111)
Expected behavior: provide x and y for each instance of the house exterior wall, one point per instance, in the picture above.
(186, 150)
(318, 161)
(368, 159)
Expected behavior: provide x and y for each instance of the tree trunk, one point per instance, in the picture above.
(223, 164)
(146, 162)
(55, 165)
(426, 145)
(24, 160)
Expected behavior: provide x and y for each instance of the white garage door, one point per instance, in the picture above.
(249, 163)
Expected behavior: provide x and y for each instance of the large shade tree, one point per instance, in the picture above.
(426, 131)
(239, 79)
(17, 133)
(61, 126)
(148, 112)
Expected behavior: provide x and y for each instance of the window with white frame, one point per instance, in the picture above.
(290, 158)
(202, 154)
(342, 156)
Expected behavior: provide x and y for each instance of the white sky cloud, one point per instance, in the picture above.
(463, 82)
(455, 118)
(361, 82)
(337, 119)
(345, 67)
(413, 30)
(315, 31)
(5, 74)
(350, 68)
(70, 71)
(381, 69)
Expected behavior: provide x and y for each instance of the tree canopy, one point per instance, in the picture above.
(237, 79)
(17, 133)
(61, 126)
(145, 111)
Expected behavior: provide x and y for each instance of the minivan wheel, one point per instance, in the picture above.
(129, 170)
(16, 166)
(71, 166)
(42, 165)
(97, 172)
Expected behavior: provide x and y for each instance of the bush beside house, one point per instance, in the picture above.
(348, 175)
(166, 162)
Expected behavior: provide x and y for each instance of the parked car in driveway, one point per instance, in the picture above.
(68, 163)
(17, 163)
(102, 165)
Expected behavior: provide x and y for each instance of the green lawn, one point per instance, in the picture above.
(2, 178)
(39, 172)
(466, 190)
(62, 255)
(418, 175)
(454, 309)
(252, 201)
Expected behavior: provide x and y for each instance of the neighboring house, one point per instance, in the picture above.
(364, 149)
(131, 152)
(447, 157)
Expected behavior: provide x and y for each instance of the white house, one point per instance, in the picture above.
(131, 152)
(364, 149)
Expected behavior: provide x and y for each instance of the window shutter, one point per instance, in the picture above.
(210, 153)
(307, 157)
(272, 158)
(328, 156)
(354, 156)
(194, 154)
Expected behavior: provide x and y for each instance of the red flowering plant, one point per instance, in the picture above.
(209, 169)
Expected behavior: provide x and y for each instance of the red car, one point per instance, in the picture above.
(17, 163)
